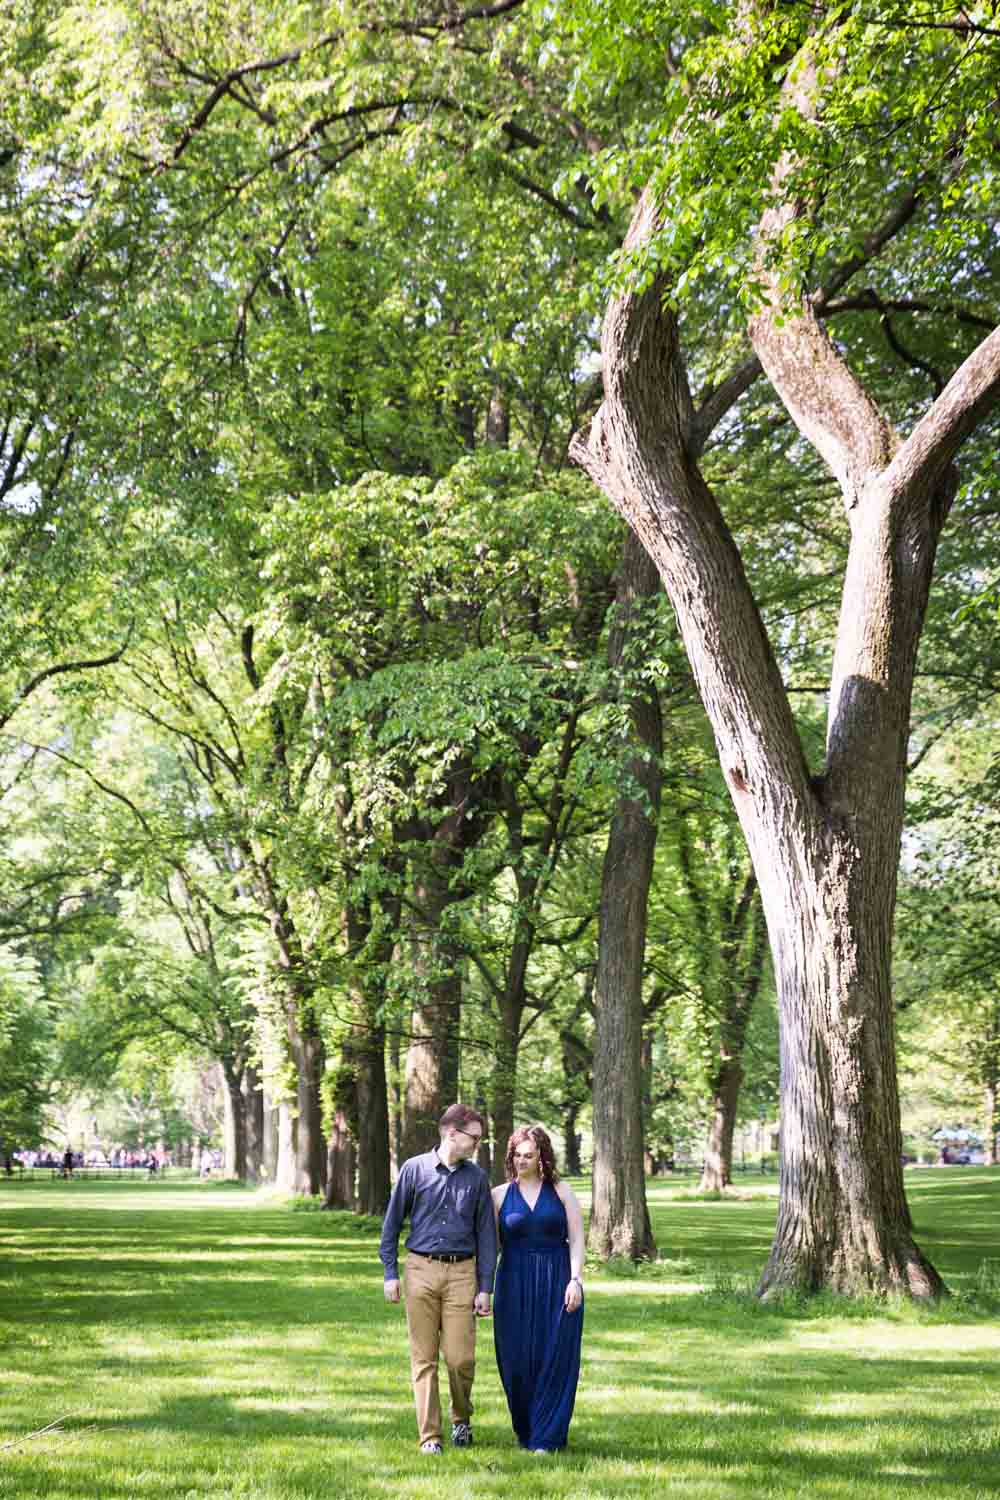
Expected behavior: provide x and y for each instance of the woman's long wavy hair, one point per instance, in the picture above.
(546, 1155)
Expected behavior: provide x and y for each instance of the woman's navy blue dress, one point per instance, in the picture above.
(537, 1340)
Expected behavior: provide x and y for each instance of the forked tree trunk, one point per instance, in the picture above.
(825, 848)
(619, 1218)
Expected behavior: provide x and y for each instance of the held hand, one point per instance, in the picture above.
(392, 1291)
(574, 1296)
(481, 1305)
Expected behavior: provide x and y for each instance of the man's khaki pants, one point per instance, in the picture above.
(440, 1316)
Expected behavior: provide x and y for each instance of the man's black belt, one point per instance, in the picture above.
(451, 1259)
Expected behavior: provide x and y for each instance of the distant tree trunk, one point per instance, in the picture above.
(991, 1117)
(253, 1097)
(367, 1054)
(991, 1084)
(341, 1162)
(302, 1034)
(396, 1157)
(234, 1122)
(287, 1130)
(269, 1145)
(467, 813)
(717, 1169)
(498, 420)
(572, 1165)
(432, 1056)
(370, 936)
(576, 1061)
(505, 1079)
(619, 1218)
(484, 1156)
(305, 1046)
(742, 970)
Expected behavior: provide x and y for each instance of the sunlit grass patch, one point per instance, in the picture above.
(187, 1351)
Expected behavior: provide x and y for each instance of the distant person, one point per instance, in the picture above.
(67, 1163)
(538, 1317)
(451, 1258)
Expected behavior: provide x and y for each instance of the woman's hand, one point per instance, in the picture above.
(574, 1295)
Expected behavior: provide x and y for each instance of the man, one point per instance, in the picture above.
(451, 1258)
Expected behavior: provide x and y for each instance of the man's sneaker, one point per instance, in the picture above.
(431, 1446)
(461, 1435)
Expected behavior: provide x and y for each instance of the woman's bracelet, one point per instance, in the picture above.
(578, 1281)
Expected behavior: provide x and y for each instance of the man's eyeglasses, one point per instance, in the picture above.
(471, 1134)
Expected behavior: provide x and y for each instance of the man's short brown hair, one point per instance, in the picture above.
(461, 1115)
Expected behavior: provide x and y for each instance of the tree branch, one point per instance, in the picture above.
(86, 665)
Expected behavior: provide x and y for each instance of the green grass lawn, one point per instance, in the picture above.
(194, 1340)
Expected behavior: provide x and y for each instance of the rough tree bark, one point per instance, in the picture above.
(619, 1218)
(825, 848)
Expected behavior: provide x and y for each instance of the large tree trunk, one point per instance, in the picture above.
(843, 1221)
(825, 848)
(619, 1218)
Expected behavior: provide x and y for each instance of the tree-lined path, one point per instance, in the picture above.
(195, 1341)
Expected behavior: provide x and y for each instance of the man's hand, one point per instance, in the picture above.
(482, 1304)
(392, 1291)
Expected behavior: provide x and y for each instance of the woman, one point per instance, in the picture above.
(538, 1299)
